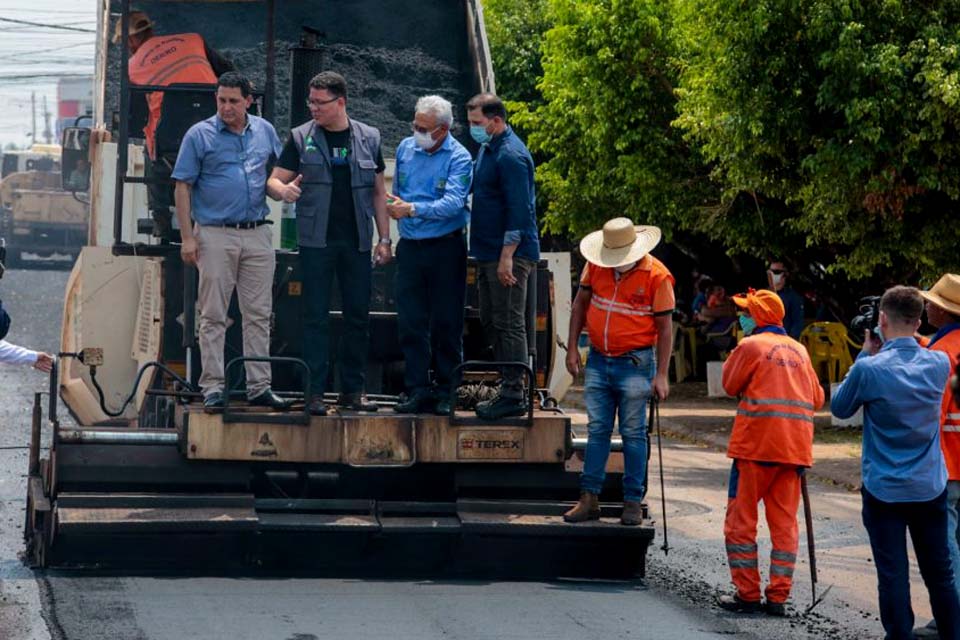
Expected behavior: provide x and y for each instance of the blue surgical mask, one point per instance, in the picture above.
(479, 134)
(748, 324)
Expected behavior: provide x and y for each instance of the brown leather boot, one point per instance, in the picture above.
(588, 508)
(632, 514)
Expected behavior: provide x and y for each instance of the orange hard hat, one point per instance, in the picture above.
(764, 306)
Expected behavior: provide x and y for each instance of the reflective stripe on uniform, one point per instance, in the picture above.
(774, 414)
(953, 416)
(784, 556)
(781, 570)
(622, 305)
(789, 403)
(627, 311)
(951, 428)
(741, 548)
(743, 564)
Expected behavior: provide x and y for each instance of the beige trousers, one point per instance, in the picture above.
(243, 259)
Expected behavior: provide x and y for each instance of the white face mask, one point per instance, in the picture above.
(424, 140)
(626, 267)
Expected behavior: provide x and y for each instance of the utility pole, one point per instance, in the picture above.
(33, 117)
(47, 134)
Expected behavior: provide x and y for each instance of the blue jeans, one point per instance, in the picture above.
(887, 524)
(618, 387)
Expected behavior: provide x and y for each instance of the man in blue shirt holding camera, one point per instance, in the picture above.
(900, 386)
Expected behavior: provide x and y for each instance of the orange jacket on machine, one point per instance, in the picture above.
(950, 410)
(165, 60)
(622, 309)
(779, 393)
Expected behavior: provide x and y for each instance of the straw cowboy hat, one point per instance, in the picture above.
(620, 242)
(139, 22)
(945, 294)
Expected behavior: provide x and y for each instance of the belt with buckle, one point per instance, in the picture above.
(253, 224)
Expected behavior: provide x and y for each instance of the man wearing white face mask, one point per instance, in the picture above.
(792, 301)
(431, 185)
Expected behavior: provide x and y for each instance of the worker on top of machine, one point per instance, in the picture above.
(431, 186)
(626, 300)
(222, 210)
(181, 58)
(771, 446)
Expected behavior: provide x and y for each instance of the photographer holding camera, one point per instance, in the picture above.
(943, 312)
(900, 386)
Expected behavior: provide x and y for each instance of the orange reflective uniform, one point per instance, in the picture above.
(623, 305)
(167, 60)
(950, 410)
(779, 393)
(772, 441)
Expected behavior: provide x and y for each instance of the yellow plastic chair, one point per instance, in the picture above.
(829, 347)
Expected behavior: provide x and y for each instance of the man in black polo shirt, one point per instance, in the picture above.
(332, 167)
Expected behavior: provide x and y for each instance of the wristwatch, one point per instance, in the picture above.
(413, 210)
(386, 241)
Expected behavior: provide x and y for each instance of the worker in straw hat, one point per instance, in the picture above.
(771, 446)
(626, 301)
(943, 312)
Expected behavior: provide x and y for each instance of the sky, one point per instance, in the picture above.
(32, 58)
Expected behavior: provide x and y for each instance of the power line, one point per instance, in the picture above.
(48, 26)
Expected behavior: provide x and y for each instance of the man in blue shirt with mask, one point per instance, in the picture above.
(505, 241)
(431, 185)
(900, 387)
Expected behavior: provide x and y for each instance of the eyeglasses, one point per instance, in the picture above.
(416, 129)
(320, 103)
(777, 272)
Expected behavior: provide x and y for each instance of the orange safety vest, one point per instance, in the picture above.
(166, 60)
(949, 409)
(779, 393)
(620, 316)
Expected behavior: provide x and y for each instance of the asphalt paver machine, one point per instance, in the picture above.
(140, 477)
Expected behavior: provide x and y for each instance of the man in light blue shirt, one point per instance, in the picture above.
(221, 176)
(900, 387)
(430, 205)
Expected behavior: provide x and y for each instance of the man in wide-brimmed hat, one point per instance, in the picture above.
(626, 301)
(943, 312)
(771, 444)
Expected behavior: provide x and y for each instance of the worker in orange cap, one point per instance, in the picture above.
(771, 446)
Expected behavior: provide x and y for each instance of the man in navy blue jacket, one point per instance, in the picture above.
(504, 240)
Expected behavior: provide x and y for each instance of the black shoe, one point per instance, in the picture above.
(213, 402)
(357, 402)
(317, 407)
(269, 399)
(416, 402)
(928, 631)
(735, 604)
(442, 407)
(501, 408)
(776, 609)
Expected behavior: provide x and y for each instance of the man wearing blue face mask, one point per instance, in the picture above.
(431, 184)
(777, 275)
(505, 241)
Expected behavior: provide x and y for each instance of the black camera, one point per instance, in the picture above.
(869, 318)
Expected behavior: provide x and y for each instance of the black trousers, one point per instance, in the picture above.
(887, 524)
(431, 293)
(352, 270)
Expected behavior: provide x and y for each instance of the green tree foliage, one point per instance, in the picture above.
(830, 124)
(605, 126)
(515, 30)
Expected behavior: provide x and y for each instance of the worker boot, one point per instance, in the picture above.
(632, 513)
(588, 508)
